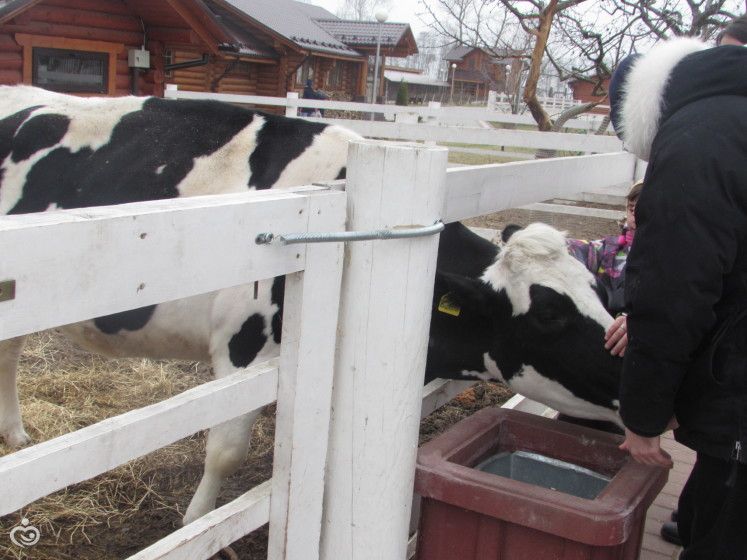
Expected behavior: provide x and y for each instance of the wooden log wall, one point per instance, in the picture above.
(196, 78)
(110, 21)
(11, 61)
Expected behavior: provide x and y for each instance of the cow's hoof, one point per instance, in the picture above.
(16, 438)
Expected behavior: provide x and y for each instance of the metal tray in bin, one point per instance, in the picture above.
(547, 472)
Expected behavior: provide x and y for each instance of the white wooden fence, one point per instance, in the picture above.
(433, 114)
(346, 497)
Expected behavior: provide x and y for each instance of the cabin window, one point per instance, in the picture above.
(70, 71)
(334, 78)
(304, 72)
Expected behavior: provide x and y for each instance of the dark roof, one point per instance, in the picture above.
(312, 11)
(8, 8)
(284, 18)
(457, 53)
(243, 41)
(364, 33)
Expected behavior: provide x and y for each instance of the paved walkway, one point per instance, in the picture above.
(654, 547)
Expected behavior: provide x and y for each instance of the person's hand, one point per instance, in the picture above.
(616, 337)
(646, 450)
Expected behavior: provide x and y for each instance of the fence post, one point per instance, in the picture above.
(433, 118)
(170, 91)
(383, 332)
(491, 100)
(291, 109)
(305, 388)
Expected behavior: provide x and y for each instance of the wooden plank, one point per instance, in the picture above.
(85, 18)
(575, 210)
(440, 391)
(37, 471)
(229, 97)
(307, 359)
(520, 402)
(449, 114)
(384, 321)
(57, 30)
(214, 531)
(488, 137)
(484, 189)
(494, 153)
(111, 259)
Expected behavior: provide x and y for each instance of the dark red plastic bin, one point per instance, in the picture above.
(467, 514)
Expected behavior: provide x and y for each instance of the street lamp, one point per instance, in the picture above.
(508, 87)
(453, 73)
(381, 18)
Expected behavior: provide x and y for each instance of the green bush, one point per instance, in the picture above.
(403, 97)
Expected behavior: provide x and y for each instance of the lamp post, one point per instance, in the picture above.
(453, 73)
(509, 97)
(381, 18)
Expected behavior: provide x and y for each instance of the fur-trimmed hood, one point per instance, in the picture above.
(673, 74)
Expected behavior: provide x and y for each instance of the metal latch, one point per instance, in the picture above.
(335, 237)
(7, 290)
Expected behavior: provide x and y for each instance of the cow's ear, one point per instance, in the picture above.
(461, 296)
(508, 231)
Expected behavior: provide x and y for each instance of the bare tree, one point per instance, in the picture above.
(430, 56)
(363, 10)
(581, 39)
(666, 18)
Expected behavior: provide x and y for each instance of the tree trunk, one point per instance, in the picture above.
(530, 91)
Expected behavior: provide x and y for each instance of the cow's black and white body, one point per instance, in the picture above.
(528, 316)
(59, 151)
(531, 318)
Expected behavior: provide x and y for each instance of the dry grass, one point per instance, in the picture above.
(118, 513)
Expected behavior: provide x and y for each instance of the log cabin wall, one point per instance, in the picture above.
(113, 27)
(109, 26)
(83, 25)
(196, 78)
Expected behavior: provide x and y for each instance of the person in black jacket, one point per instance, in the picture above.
(683, 108)
(310, 93)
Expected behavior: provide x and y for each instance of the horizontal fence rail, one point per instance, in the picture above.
(484, 189)
(216, 530)
(34, 472)
(115, 258)
(489, 137)
(433, 112)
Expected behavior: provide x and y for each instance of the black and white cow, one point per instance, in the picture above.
(531, 318)
(59, 151)
(527, 315)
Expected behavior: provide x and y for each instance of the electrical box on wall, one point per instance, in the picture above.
(138, 58)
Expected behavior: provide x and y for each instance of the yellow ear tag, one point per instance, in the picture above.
(446, 305)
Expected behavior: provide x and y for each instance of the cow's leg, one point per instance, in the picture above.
(240, 336)
(227, 448)
(11, 425)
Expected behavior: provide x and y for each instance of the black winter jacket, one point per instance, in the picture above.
(685, 111)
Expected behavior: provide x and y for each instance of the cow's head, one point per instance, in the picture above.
(533, 321)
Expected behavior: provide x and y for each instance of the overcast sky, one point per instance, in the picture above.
(403, 11)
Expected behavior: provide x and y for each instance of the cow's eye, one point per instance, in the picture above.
(551, 319)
